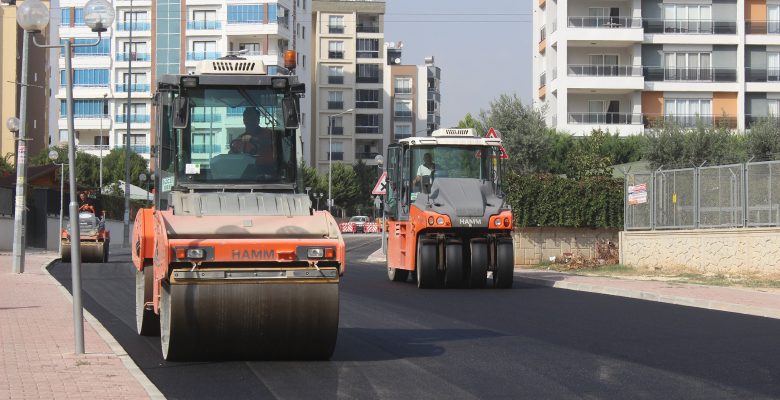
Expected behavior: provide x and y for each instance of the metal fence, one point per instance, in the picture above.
(724, 196)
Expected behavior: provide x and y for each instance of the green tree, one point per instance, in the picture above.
(470, 122)
(313, 180)
(87, 165)
(763, 140)
(6, 168)
(346, 191)
(672, 146)
(114, 166)
(366, 178)
(525, 134)
(590, 156)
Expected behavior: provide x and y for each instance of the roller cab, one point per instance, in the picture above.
(448, 222)
(232, 261)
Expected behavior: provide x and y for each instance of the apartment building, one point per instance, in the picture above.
(10, 73)
(415, 97)
(168, 37)
(348, 73)
(624, 65)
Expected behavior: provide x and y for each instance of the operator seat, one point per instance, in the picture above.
(231, 166)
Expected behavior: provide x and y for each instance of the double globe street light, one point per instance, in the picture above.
(33, 17)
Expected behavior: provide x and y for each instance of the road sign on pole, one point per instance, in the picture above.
(492, 133)
(381, 185)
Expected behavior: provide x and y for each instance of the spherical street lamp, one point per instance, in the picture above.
(53, 155)
(12, 124)
(32, 16)
(98, 15)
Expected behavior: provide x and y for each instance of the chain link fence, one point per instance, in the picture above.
(724, 196)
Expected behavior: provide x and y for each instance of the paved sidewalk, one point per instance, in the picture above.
(37, 346)
(763, 303)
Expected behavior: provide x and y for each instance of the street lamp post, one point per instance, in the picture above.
(330, 154)
(53, 156)
(101, 147)
(126, 218)
(33, 16)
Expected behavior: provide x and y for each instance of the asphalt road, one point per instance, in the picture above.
(398, 342)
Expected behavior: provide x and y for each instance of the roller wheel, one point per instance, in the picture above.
(426, 265)
(453, 267)
(169, 352)
(477, 275)
(397, 275)
(65, 255)
(146, 321)
(505, 265)
(106, 248)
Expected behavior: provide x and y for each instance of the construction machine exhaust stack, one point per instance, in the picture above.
(232, 261)
(448, 222)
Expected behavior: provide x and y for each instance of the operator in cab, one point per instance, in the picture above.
(427, 168)
(87, 204)
(256, 141)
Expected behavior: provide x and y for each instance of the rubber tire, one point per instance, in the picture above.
(453, 266)
(505, 265)
(426, 265)
(146, 321)
(168, 352)
(397, 274)
(477, 274)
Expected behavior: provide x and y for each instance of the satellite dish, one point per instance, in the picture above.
(392, 44)
(397, 61)
(400, 45)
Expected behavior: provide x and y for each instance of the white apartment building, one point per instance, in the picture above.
(168, 37)
(348, 58)
(623, 65)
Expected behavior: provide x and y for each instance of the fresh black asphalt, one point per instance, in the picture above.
(398, 342)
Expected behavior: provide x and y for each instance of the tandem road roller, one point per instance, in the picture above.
(448, 221)
(232, 261)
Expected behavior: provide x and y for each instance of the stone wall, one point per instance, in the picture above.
(705, 250)
(534, 245)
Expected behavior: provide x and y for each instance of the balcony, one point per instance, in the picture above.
(134, 118)
(762, 27)
(661, 74)
(688, 121)
(367, 54)
(204, 25)
(95, 148)
(335, 80)
(137, 26)
(335, 105)
(366, 104)
(689, 26)
(368, 79)
(772, 120)
(402, 115)
(605, 22)
(604, 70)
(133, 57)
(336, 55)
(336, 130)
(203, 55)
(367, 28)
(134, 87)
(336, 29)
(136, 148)
(336, 155)
(605, 118)
(366, 156)
(762, 75)
(367, 129)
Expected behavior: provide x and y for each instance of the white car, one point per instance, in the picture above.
(360, 222)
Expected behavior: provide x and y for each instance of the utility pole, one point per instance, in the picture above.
(21, 165)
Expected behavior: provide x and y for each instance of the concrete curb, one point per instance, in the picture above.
(376, 257)
(650, 296)
(115, 347)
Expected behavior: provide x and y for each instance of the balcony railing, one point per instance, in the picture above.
(336, 29)
(605, 22)
(691, 120)
(338, 55)
(94, 147)
(367, 129)
(604, 70)
(657, 74)
(690, 26)
(203, 55)
(762, 27)
(368, 79)
(207, 148)
(335, 80)
(206, 117)
(134, 118)
(367, 54)
(543, 79)
(133, 56)
(366, 104)
(367, 28)
(136, 148)
(336, 155)
(762, 75)
(204, 25)
(138, 26)
(86, 116)
(134, 87)
(403, 115)
(335, 105)
(365, 156)
(605, 118)
(336, 130)
(751, 120)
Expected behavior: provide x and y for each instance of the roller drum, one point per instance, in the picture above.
(249, 321)
(92, 252)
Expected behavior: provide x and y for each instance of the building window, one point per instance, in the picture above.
(336, 24)
(65, 16)
(368, 48)
(403, 110)
(88, 77)
(335, 100)
(337, 125)
(250, 49)
(687, 66)
(203, 19)
(203, 50)
(336, 50)
(245, 14)
(85, 108)
(687, 18)
(103, 47)
(283, 17)
(402, 131)
(101, 140)
(368, 123)
(335, 75)
(367, 98)
(78, 17)
(688, 112)
(368, 73)
(403, 85)
(336, 151)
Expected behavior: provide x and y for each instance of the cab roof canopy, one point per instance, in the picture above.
(452, 136)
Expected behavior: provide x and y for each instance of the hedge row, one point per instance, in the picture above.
(550, 200)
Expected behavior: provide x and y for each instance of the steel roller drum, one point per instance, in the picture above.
(91, 252)
(249, 320)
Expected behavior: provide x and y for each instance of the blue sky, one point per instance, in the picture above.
(482, 47)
